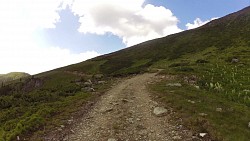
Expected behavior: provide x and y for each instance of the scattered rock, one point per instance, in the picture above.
(112, 139)
(18, 138)
(160, 111)
(143, 132)
(98, 76)
(197, 87)
(101, 82)
(203, 114)
(235, 60)
(70, 121)
(88, 83)
(218, 109)
(92, 89)
(88, 89)
(177, 138)
(202, 134)
(62, 126)
(174, 84)
(104, 110)
(190, 101)
(130, 120)
(191, 79)
(140, 127)
(66, 138)
(154, 103)
(72, 131)
(115, 103)
(125, 100)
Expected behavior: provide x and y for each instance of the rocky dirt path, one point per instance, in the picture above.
(125, 113)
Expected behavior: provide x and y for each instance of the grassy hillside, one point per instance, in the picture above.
(224, 33)
(211, 62)
(12, 76)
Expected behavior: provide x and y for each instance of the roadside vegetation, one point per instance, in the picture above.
(44, 102)
(214, 96)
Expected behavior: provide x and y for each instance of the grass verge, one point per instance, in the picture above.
(204, 111)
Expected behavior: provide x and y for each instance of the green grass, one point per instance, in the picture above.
(5, 78)
(49, 105)
(86, 67)
(222, 84)
(230, 124)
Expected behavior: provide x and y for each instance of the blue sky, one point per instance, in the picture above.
(188, 10)
(40, 35)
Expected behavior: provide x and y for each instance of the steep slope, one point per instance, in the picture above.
(231, 31)
(211, 62)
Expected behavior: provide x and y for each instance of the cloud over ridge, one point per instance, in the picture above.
(198, 22)
(128, 19)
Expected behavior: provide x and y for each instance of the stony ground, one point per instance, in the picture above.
(125, 113)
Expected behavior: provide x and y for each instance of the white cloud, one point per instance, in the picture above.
(19, 22)
(198, 22)
(34, 59)
(128, 19)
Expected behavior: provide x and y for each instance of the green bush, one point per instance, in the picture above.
(5, 102)
(202, 61)
(179, 64)
(184, 69)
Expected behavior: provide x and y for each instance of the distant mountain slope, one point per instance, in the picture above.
(12, 76)
(231, 31)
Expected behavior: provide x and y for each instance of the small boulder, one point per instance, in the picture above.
(248, 124)
(160, 111)
(235, 60)
(125, 100)
(101, 82)
(112, 139)
(174, 84)
(177, 138)
(202, 134)
(197, 87)
(88, 89)
(98, 76)
(87, 83)
(203, 114)
(92, 89)
(191, 101)
(218, 109)
(106, 110)
(18, 138)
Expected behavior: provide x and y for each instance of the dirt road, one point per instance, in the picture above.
(125, 113)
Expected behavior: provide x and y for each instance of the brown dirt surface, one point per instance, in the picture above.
(125, 113)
